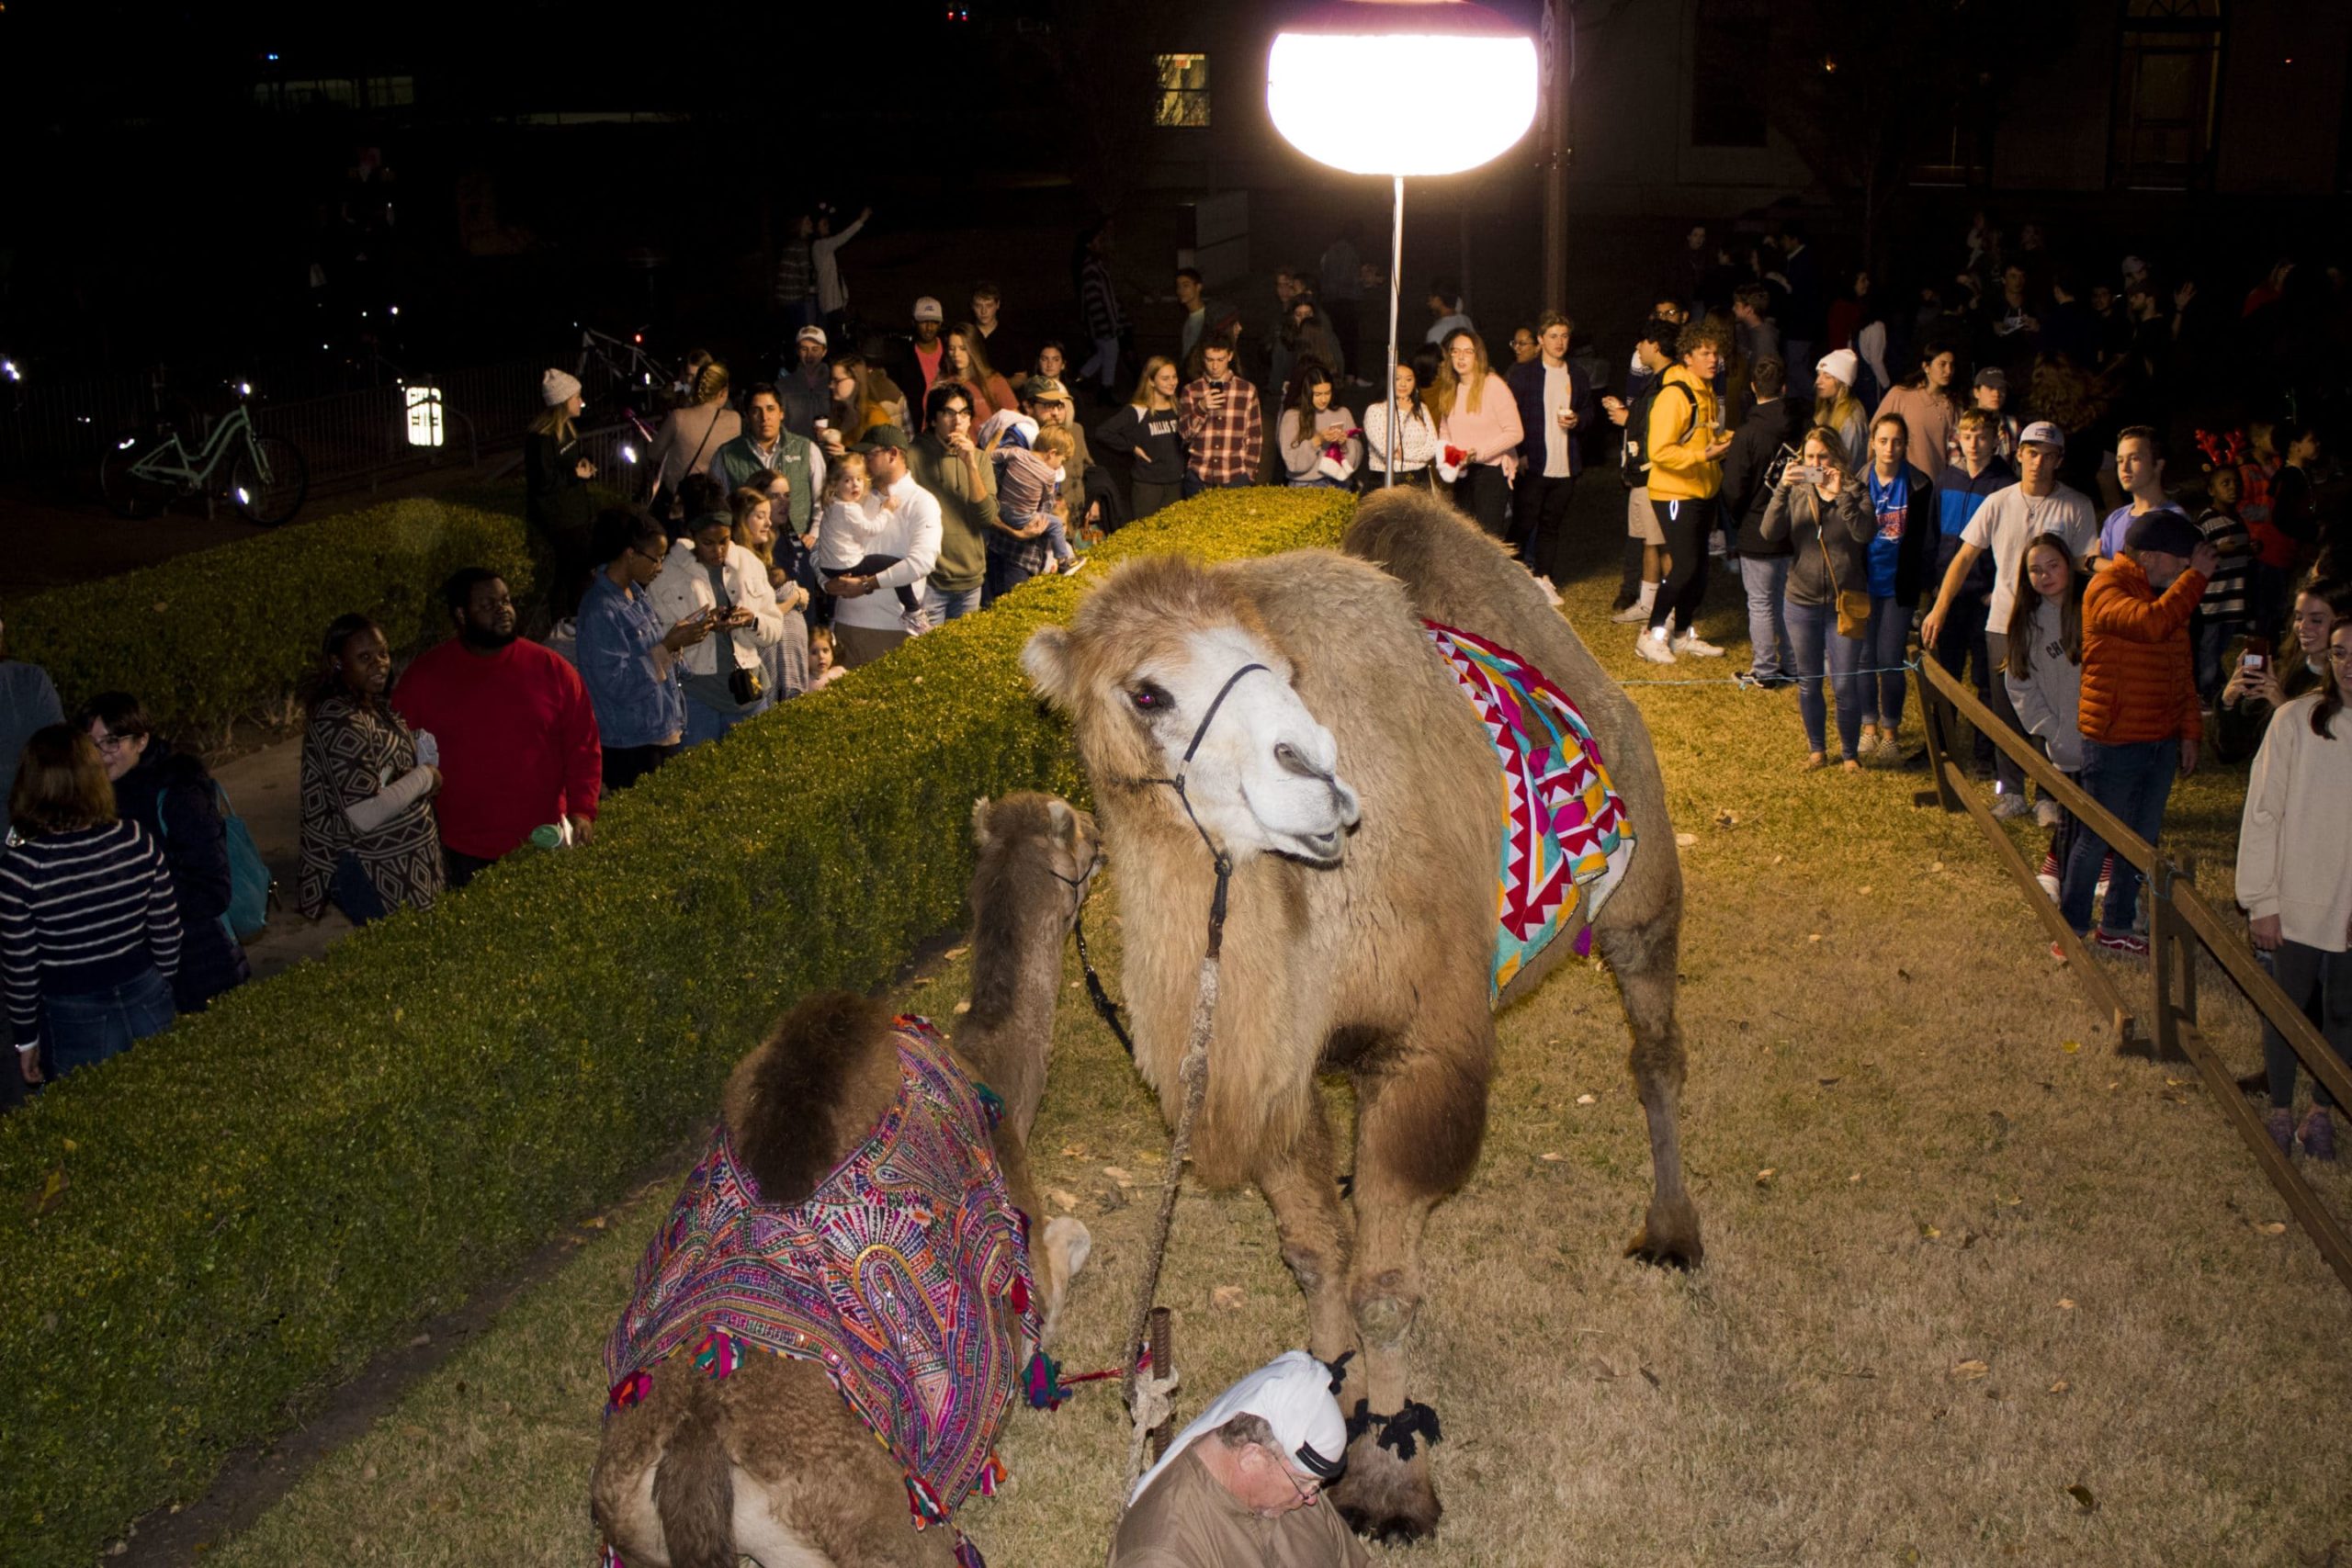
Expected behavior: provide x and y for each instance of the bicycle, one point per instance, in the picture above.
(267, 477)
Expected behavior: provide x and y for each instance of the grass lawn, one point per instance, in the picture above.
(1977, 1290)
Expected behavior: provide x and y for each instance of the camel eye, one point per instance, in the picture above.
(1151, 699)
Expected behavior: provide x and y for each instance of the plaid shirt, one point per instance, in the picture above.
(1027, 489)
(1221, 446)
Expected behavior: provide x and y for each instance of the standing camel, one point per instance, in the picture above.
(1326, 747)
(730, 1449)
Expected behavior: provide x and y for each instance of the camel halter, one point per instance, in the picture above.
(1147, 1399)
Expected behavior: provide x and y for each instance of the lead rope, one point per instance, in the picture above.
(1150, 1399)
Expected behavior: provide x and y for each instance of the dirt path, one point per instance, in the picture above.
(1977, 1290)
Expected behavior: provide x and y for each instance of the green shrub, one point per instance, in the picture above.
(200, 1237)
(225, 634)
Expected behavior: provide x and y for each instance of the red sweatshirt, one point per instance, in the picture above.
(518, 737)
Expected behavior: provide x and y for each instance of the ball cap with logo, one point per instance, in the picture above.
(1291, 1393)
(927, 309)
(2042, 433)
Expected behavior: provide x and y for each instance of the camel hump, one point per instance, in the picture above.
(1455, 574)
(813, 1088)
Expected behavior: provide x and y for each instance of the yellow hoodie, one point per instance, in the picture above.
(1679, 435)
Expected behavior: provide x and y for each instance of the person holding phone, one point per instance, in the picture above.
(2264, 681)
(629, 659)
(1826, 514)
(2294, 877)
(711, 577)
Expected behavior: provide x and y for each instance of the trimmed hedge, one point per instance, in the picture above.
(199, 1238)
(225, 634)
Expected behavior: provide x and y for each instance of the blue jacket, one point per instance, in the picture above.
(1957, 498)
(1526, 383)
(638, 698)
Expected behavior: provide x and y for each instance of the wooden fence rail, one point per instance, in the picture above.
(2181, 922)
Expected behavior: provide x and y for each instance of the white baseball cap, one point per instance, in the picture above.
(927, 309)
(1291, 1393)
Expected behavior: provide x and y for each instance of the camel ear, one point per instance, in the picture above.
(1064, 820)
(980, 821)
(1046, 658)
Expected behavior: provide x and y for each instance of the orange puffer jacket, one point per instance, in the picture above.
(2137, 680)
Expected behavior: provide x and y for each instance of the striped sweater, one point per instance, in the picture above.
(81, 912)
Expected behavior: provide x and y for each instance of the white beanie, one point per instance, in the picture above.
(559, 387)
(1293, 1395)
(1842, 364)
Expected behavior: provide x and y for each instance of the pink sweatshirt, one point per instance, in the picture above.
(1493, 431)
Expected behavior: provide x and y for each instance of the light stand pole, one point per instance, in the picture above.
(1385, 51)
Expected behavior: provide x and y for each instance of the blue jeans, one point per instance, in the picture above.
(1766, 578)
(1004, 574)
(1814, 646)
(2133, 780)
(86, 1028)
(1889, 636)
(707, 723)
(944, 607)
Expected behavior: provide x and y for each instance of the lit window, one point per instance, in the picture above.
(1183, 91)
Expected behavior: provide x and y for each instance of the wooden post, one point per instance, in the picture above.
(1163, 1339)
(1555, 54)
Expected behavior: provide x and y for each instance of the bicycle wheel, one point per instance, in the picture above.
(129, 494)
(267, 482)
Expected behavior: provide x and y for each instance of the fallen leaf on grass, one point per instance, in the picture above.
(954, 953)
(1119, 1174)
(2070, 1047)
(1829, 1083)
(56, 1184)
(1685, 840)
(1764, 1177)
(1726, 819)
(1813, 936)
(2176, 1083)
(1937, 866)
(2013, 1203)
(2061, 1386)
(1548, 1155)
(1228, 1298)
(1854, 1180)
(1929, 1232)
(1588, 1099)
(1652, 1376)
(1864, 893)
(962, 1007)
(2082, 1496)
(2275, 1227)
(1601, 1371)
(1061, 1198)
(1904, 974)
(2065, 1303)
(1968, 1372)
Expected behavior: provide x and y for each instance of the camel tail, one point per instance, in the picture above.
(693, 1489)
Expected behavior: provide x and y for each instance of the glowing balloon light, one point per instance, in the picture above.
(1478, 74)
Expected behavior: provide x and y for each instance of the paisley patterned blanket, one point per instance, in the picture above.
(904, 1275)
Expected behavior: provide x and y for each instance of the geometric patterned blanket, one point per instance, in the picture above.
(904, 1275)
(1566, 835)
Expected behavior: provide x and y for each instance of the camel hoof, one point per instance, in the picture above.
(1670, 1236)
(1385, 1499)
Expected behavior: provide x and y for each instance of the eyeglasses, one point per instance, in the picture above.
(2340, 652)
(1306, 1493)
(111, 742)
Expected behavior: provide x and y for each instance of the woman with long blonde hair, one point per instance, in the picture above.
(1146, 431)
(1478, 418)
(691, 436)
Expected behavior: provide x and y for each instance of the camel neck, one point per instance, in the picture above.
(1007, 1036)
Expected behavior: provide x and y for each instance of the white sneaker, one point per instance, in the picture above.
(1696, 646)
(2007, 805)
(1652, 647)
(1633, 615)
(2046, 814)
(915, 622)
(2049, 887)
(1549, 592)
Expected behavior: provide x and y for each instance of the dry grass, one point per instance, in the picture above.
(1915, 1157)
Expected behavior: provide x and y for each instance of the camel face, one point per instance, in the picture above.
(1263, 774)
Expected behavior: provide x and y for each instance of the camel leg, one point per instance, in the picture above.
(1303, 1188)
(1643, 958)
(1421, 1113)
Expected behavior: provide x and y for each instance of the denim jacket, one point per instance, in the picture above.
(632, 682)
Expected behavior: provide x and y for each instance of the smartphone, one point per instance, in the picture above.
(1803, 474)
(2257, 653)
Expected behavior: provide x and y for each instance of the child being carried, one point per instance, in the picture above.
(854, 515)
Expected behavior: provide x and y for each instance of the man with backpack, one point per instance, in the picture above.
(1685, 478)
(1645, 545)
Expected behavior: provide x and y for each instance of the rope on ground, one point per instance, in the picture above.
(1150, 1398)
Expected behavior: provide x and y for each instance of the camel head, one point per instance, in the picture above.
(1138, 670)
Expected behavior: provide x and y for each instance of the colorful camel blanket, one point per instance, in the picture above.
(1566, 835)
(904, 1275)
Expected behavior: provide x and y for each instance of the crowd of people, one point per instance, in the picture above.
(2040, 479)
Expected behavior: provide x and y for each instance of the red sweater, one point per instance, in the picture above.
(518, 737)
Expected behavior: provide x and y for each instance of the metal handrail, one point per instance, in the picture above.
(2178, 913)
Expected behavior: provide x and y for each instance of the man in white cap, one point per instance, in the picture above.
(1243, 1485)
(2012, 519)
(805, 386)
(914, 362)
